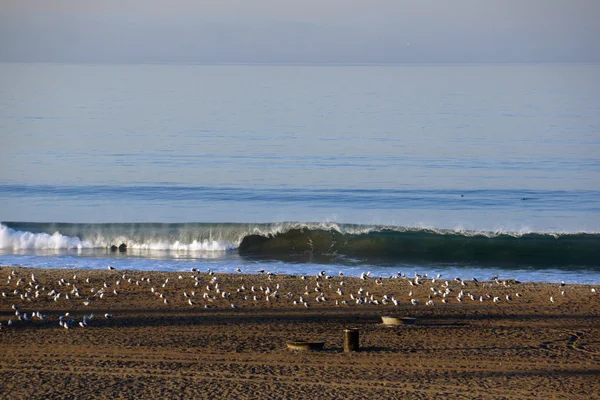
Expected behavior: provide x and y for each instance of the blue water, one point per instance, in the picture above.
(470, 149)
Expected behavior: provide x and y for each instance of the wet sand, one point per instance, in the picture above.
(522, 348)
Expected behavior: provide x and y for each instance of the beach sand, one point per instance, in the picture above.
(523, 348)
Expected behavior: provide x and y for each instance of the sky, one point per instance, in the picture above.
(306, 31)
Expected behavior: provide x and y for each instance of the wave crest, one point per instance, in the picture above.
(320, 242)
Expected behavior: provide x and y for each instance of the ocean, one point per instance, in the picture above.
(458, 170)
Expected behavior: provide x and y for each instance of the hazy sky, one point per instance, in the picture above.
(300, 31)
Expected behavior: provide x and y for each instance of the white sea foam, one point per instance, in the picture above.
(20, 240)
(11, 239)
(177, 246)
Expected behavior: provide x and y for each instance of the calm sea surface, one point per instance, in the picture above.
(215, 154)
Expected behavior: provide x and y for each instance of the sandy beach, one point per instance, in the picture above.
(196, 335)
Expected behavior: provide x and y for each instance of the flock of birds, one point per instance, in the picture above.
(30, 289)
(208, 291)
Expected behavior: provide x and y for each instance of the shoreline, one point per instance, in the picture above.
(510, 348)
(229, 263)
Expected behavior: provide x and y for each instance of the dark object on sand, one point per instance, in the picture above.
(351, 340)
(305, 345)
(388, 320)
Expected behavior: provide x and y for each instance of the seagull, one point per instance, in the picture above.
(552, 299)
(108, 316)
(110, 268)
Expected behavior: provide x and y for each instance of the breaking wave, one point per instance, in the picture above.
(315, 242)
